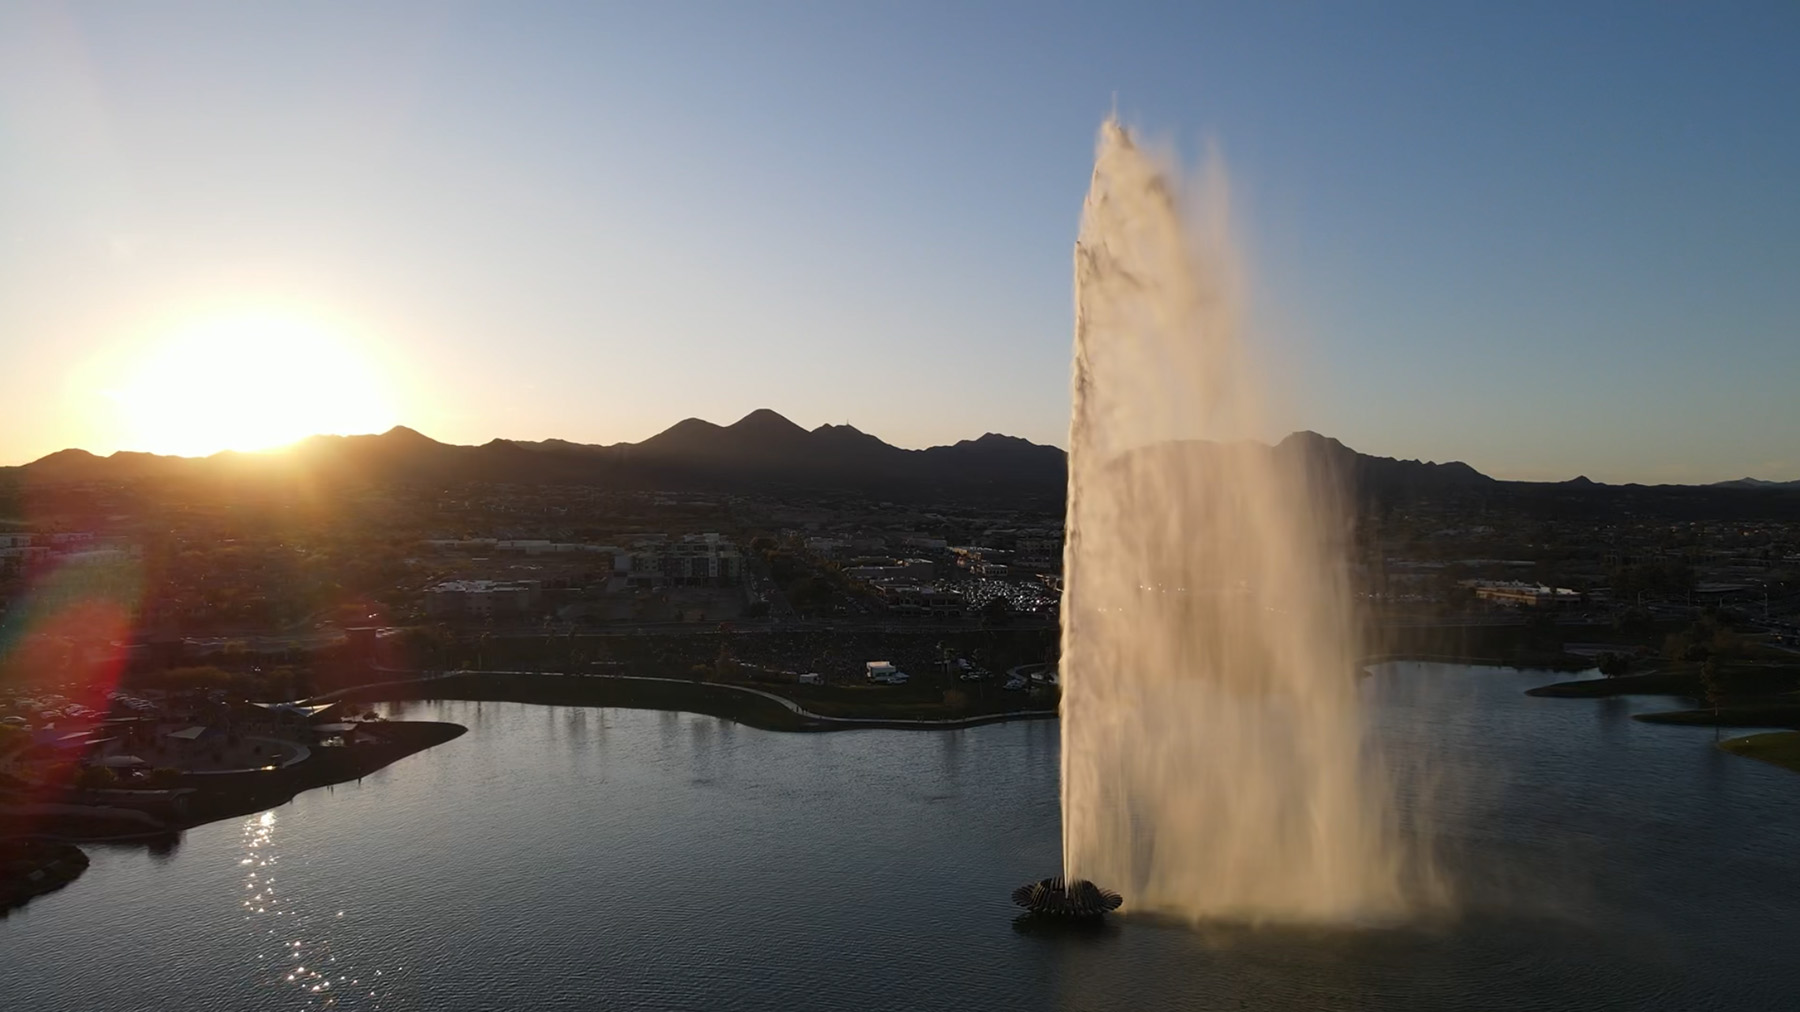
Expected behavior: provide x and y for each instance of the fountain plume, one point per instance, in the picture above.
(1214, 762)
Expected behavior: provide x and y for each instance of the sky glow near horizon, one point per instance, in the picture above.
(1544, 241)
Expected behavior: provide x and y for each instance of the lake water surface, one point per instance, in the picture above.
(567, 857)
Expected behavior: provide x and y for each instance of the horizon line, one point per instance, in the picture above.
(401, 428)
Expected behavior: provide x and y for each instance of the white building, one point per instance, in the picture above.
(883, 673)
(480, 598)
(1515, 593)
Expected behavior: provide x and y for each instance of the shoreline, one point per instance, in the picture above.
(214, 796)
(210, 796)
(158, 818)
(1759, 698)
(1778, 748)
(34, 868)
(747, 705)
(224, 795)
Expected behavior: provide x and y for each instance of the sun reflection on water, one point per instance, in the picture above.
(292, 958)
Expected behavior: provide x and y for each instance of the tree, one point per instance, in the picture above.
(1612, 665)
(725, 666)
(206, 677)
(809, 593)
(1709, 636)
(163, 777)
(1714, 688)
(94, 778)
(424, 647)
(997, 611)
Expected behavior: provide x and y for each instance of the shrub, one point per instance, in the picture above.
(163, 777)
(95, 778)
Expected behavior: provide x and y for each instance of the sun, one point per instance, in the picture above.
(249, 382)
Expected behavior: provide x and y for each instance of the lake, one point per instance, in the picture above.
(566, 857)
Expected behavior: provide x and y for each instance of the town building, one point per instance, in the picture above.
(902, 570)
(920, 599)
(480, 598)
(695, 560)
(884, 673)
(1517, 594)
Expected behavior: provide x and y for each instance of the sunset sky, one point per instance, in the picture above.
(1548, 239)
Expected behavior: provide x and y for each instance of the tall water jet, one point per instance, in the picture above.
(1214, 762)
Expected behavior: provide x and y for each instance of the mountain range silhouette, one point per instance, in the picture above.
(764, 452)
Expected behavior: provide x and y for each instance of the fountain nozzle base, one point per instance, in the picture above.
(1052, 897)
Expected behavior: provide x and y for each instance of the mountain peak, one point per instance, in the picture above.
(70, 455)
(1307, 437)
(401, 433)
(765, 420)
(844, 437)
(690, 425)
(753, 436)
(993, 445)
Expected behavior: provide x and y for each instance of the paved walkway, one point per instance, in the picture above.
(300, 753)
(782, 701)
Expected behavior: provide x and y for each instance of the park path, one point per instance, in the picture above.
(782, 701)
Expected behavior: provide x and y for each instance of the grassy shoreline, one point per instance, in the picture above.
(919, 706)
(31, 868)
(1782, 748)
(38, 853)
(1757, 694)
(842, 708)
(1768, 714)
(204, 798)
(1748, 681)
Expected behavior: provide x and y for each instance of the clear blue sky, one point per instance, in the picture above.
(1547, 239)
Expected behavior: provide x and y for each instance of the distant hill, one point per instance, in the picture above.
(1757, 483)
(1372, 477)
(766, 452)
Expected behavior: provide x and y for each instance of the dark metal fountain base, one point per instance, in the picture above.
(1051, 897)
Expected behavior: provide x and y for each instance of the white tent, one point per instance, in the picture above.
(296, 709)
